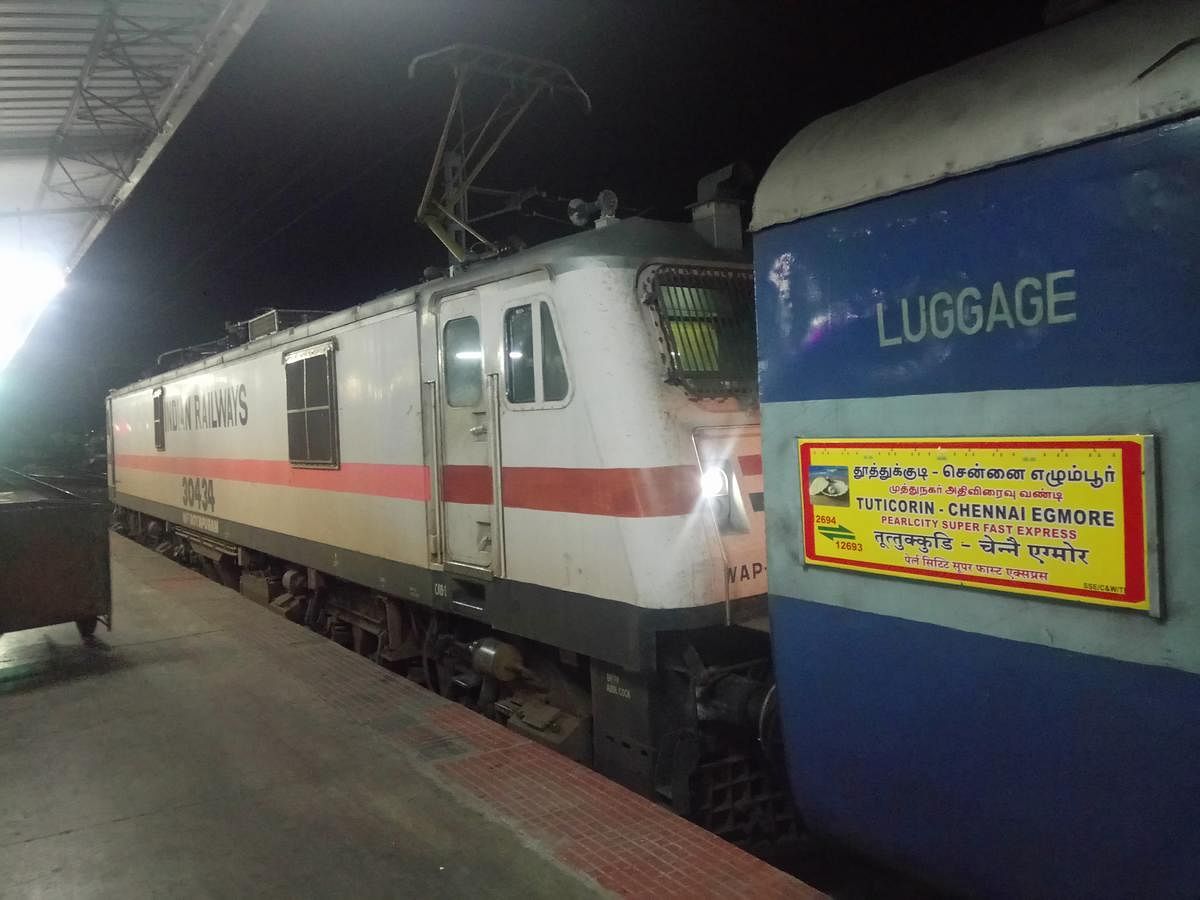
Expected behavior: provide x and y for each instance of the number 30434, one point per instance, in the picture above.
(198, 493)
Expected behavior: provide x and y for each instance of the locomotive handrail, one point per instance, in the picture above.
(499, 568)
(437, 537)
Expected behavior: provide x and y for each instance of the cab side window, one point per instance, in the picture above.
(534, 368)
(554, 367)
(519, 375)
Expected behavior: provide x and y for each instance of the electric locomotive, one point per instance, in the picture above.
(532, 483)
(977, 309)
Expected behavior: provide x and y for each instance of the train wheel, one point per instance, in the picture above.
(86, 626)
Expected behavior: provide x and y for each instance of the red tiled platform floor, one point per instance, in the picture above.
(378, 725)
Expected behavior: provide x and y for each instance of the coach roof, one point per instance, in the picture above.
(1118, 69)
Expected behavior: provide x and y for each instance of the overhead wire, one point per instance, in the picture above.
(465, 134)
(325, 197)
(220, 217)
(297, 175)
(420, 132)
(304, 171)
(314, 164)
(369, 167)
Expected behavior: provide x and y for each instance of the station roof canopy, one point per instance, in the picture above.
(1118, 69)
(90, 93)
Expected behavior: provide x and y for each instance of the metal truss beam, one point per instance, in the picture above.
(96, 89)
(113, 117)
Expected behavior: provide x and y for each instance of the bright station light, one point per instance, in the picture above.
(714, 482)
(28, 282)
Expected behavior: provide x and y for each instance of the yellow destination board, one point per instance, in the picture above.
(1062, 517)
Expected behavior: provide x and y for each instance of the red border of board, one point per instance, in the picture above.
(1135, 525)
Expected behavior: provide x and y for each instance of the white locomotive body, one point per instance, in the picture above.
(537, 482)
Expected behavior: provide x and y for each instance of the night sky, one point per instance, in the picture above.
(294, 182)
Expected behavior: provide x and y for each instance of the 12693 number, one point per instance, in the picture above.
(198, 493)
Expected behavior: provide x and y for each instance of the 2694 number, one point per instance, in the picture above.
(198, 493)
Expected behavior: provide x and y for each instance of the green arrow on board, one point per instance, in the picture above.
(840, 533)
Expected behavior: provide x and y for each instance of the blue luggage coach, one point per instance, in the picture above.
(979, 335)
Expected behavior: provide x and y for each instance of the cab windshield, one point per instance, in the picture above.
(706, 316)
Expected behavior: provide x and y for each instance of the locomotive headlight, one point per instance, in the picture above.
(714, 483)
(27, 285)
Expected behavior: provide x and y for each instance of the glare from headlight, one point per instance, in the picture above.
(714, 483)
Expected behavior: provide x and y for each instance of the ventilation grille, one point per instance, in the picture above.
(706, 318)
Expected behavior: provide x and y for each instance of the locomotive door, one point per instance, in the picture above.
(469, 444)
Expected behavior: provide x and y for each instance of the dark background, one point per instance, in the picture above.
(294, 181)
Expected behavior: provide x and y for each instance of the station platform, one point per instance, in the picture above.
(207, 747)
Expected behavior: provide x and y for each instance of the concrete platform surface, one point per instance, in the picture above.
(208, 748)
